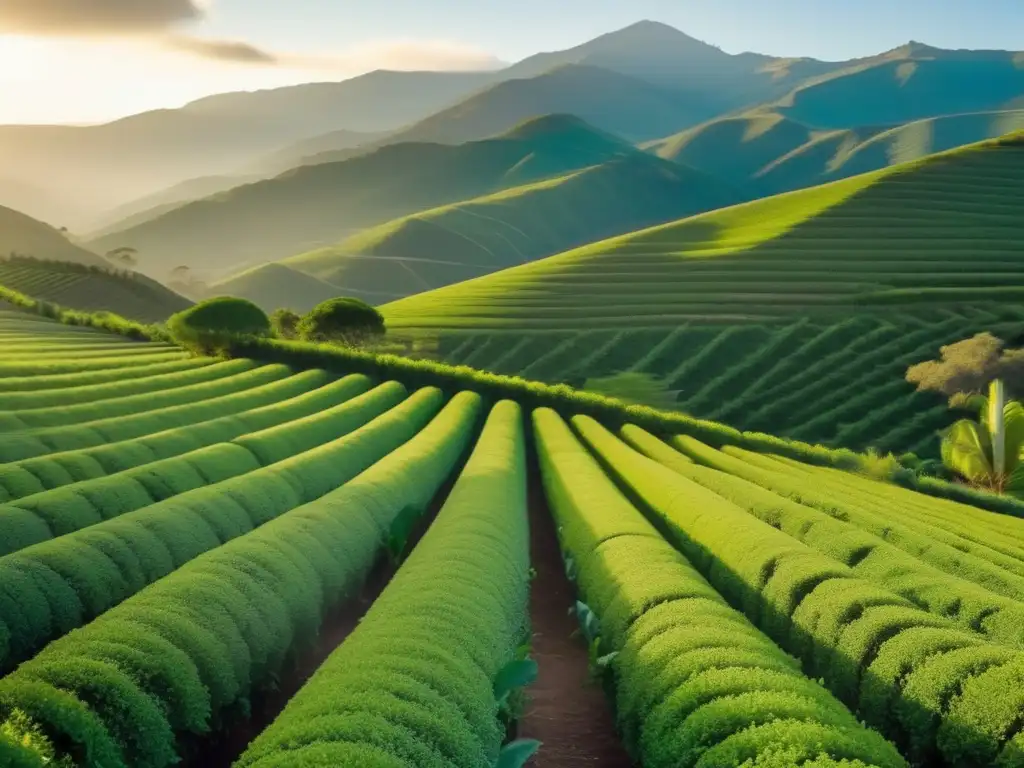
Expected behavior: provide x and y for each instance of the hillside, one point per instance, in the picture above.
(25, 236)
(769, 153)
(105, 166)
(276, 286)
(899, 261)
(91, 289)
(909, 83)
(317, 206)
(476, 237)
(453, 538)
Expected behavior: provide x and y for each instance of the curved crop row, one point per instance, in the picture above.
(31, 386)
(70, 508)
(869, 556)
(30, 368)
(258, 408)
(947, 552)
(172, 658)
(697, 684)
(53, 587)
(415, 683)
(901, 667)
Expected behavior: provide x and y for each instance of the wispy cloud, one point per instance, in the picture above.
(235, 51)
(95, 17)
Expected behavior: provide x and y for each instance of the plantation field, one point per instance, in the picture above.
(214, 562)
(91, 290)
(839, 382)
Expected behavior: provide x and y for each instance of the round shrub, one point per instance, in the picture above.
(224, 314)
(345, 320)
(285, 323)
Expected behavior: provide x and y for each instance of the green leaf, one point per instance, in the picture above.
(570, 569)
(516, 753)
(608, 658)
(589, 622)
(401, 529)
(516, 674)
(966, 450)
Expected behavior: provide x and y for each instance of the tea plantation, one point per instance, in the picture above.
(214, 562)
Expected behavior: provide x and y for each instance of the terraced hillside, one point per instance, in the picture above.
(218, 563)
(903, 260)
(75, 286)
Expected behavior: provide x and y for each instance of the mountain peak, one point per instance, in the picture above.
(648, 33)
(547, 125)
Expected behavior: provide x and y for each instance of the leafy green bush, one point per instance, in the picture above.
(285, 323)
(221, 315)
(417, 682)
(344, 320)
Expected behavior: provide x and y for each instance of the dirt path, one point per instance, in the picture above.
(570, 715)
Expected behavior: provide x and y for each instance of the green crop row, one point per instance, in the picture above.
(247, 375)
(175, 657)
(53, 587)
(696, 683)
(259, 408)
(851, 633)
(415, 683)
(33, 385)
(869, 556)
(947, 552)
(58, 512)
(29, 367)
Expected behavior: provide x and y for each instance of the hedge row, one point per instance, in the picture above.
(31, 386)
(16, 446)
(696, 683)
(947, 553)
(92, 404)
(869, 556)
(414, 684)
(70, 508)
(899, 666)
(170, 660)
(51, 588)
(259, 408)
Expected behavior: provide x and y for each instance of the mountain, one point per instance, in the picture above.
(456, 242)
(316, 206)
(300, 152)
(909, 83)
(275, 286)
(768, 153)
(108, 165)
(900, 236)
(25, 236)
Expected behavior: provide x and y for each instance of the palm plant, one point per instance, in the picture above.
(987, 452)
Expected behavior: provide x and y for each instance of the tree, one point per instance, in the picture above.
(285, 323)
(987, 452)
(220, 315)
(344, 320)
(124, 255)
(967, 367)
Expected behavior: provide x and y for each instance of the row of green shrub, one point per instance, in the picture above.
(175, 658)
(419, 682)
(882, 517)
(868, 554)
(290, 398)
(876, 651)
(54, 385)
(695, 683)
(48, 589)
(60, 511)
(28, 366)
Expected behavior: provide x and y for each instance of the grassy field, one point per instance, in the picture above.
(769, 315)
(230, 562)
(92, 290)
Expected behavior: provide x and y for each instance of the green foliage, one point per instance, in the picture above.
(221, 315)
(634, 388)
(343, 320)
(517, 753)
(415, 682)
(284, 323)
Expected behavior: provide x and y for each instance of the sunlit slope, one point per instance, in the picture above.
(273, 286)
(946, 228)
(25, 236)
(76, 287)
(468, 239)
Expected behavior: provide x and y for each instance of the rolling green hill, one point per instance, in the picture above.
(276, 286)
(476, 237)
(92, 289)
(769, 153)
(837, 289)
(316, 206)
(25, 236)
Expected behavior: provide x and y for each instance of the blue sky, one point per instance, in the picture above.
(65, 66)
